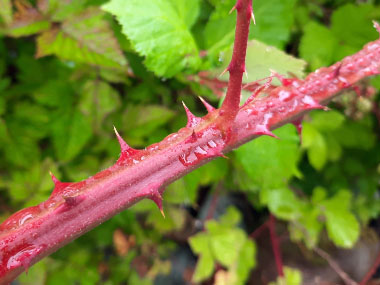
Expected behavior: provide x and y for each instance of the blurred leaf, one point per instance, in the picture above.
(270, 162)
(205, 266)
(160, 33)
(327, 121)
(342, 226)
(282, 202)
(274, 20)
(85, 38)
(139, 121)
(261, 58)
(26, 20)
(59, 10)
(352, 26)
(6, 11)
(317, 45)
(292, 277)
(70, 134)
(273, 23)
(98, 100)
(315, 144)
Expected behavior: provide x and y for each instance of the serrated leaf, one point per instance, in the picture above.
(342, 226)
(261, 58)
(270, 162)
(161, 32)
(70, 133)
(85, 38)
(98, 100)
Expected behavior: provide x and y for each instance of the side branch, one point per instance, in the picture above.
(236, 68)
(75, 208)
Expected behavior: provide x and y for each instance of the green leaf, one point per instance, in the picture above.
(225, 242)
(307, 226)
(160, 31)
(352, 26)
(317, 45)
(85, 38)
(261, 58)
(274, 20)
(270, 163)
(98, 100)
(327, 121)
(315, 144)
(70, 134)
(139, 121)
(205, 266)
(342, 226)
(282, 202)
(6, 11)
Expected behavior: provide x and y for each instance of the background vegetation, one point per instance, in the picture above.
(70, 70)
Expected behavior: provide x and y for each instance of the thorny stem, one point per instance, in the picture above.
(236, 68)
(75, 208)
(275, 245)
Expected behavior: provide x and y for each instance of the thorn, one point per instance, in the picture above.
(377, 26)
(224, 71)
(192, 120)
(55, 180)
(253, 18)
(263, 130)
(232, 9)
(246, 73)
(207, 105)
(157, 199)
(298, 124)
(123, 145)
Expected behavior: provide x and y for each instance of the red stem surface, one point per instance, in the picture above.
(75, 208)
(236, 67)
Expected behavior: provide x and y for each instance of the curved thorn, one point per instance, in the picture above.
(232, 9)
(253, 18)
(123, 145)
(207, 105)
(55, 180)
(192, 120)
(224, 71)
(157, 199)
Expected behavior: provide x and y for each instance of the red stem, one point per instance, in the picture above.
(236, 67)
(275, 245)
(75, 208)
(371, 271)
(257, 232)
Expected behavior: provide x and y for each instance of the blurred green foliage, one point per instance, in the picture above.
(70, 70)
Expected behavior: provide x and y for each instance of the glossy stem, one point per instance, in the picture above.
(236, 68)
(75, 208)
